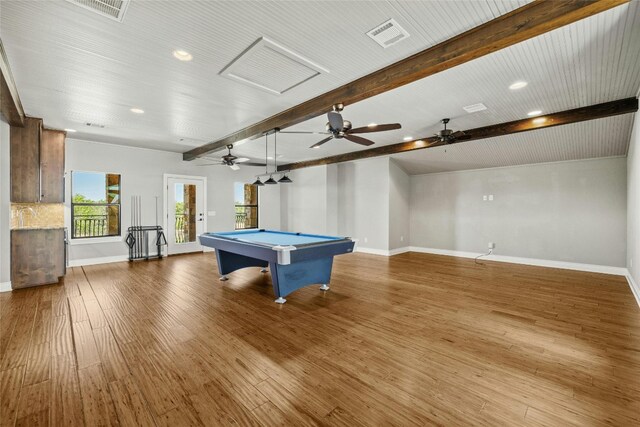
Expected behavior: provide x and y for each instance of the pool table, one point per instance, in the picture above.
(295, 259)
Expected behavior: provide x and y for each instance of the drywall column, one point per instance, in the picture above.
(633, 206)
(5, 207)
(399, 195)
(363, 203)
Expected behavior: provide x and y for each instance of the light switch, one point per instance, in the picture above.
(490, 197)
(484, 197)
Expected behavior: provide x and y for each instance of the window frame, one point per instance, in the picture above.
(257, 206)
(73, 205)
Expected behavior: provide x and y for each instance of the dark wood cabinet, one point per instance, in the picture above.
(25, 161)
(52, 166)
(37, 163)
(37, 257)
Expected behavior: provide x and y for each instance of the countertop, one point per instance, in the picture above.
(37, 228)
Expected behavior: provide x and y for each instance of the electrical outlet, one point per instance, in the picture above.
(402, 238)
(491, 197)
(484, 198)
(492, 245)
(365, 240)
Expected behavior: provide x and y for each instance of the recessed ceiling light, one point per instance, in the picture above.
(534, 113)
(539, 120)
(518, 85)
(182, 55)
(70, 130)
(372, 125)
(137, 110)
(408, 138)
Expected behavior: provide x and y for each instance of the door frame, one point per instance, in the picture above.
(165, 204)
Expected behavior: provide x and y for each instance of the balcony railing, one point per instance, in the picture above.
(246, 217)
(90, 226)
(182, 228)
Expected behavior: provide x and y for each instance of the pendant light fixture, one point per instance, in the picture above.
(272, 181)
(284, 179)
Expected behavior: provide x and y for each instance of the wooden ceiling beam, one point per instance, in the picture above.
(524, 23)
(10, 104)
(598, 111)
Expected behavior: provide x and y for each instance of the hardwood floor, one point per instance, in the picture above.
(414, 339)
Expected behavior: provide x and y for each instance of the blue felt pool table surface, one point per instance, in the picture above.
(276, 238)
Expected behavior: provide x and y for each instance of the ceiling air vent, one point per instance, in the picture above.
(94, 125)
(475, 108)
(388, 33)
(113, 9)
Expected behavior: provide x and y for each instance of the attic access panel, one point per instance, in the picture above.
(271, 67)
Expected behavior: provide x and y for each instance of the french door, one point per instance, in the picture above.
(186, 210)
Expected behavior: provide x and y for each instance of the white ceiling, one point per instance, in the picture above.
(607, 137)
(72, 67)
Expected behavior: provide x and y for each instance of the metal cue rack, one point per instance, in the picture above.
(138, 237)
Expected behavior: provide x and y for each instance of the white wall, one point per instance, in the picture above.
(305, 207)
(5, 205)
(366, 199)
(633, 203)
(142, 173)
(566, 211)
(399, 204)
(363, 202)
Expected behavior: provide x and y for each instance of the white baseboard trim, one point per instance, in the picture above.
(382, 252)
(398, 251)
(593, 268)
(5, 287)
(372, 251)
(635, 288)
(96, 261)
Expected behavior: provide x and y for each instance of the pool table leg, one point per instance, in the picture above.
(280, 300)
(324, 287)
(223, 278)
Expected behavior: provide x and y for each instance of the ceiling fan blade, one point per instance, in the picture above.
(211, 164)
(319, 143)
(457, 134)
(234, 167)
(335, 120)
(377, 128)
(359, 140)
(253, 164)
(242, 159)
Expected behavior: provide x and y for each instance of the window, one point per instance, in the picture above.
(246, 203)
(95, 204)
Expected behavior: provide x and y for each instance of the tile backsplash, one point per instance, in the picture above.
(37, 215)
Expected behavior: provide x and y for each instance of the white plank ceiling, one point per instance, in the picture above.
(73, 67)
